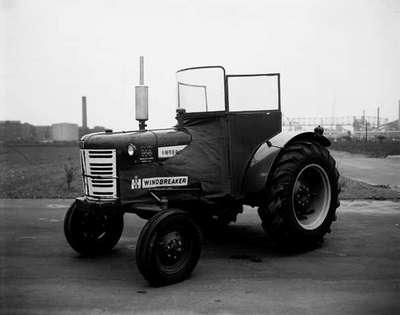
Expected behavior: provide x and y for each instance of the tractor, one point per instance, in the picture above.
(226, 150)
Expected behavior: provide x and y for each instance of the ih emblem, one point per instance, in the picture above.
(145, 183)
(136, 183)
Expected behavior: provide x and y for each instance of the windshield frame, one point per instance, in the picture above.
(193, 85)
(226, 94)
(278, 75)
(224, 82)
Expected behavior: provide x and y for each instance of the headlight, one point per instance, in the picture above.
(131, 150)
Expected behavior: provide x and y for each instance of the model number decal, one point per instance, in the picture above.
(170, 151)
(142, 183)
(146, 154)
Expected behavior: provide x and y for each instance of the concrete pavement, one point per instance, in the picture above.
(357, 271)
(374, 171)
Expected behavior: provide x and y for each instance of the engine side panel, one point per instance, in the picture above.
(201, 165)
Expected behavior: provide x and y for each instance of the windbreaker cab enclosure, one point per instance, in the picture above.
(205, 155)
(226, 150)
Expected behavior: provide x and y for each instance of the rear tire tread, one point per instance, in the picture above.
(273, 211)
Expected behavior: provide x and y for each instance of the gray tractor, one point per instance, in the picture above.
(226, 150)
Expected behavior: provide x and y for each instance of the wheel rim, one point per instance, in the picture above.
(311, 196)
(174, 249)
(171, 248)
(93, 227)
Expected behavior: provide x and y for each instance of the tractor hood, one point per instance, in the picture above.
(121, 140)
(196, 151)
(149, 146)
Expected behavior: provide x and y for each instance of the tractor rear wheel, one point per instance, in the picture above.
(92, 231)
(168, 247)
(301, 196)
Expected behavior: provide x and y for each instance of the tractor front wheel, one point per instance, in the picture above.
(92, 231)
(168, 247)
(301, 196)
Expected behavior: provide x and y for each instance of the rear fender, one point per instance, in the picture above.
(263, 160)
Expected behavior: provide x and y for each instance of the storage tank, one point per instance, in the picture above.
(65, 132)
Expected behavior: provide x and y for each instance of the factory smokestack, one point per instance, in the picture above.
(84, 113)
(377, 118)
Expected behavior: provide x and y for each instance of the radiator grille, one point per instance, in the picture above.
(99, 173)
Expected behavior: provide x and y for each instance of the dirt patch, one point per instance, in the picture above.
(352, 189)
(369, 148)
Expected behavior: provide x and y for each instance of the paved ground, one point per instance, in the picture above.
(375, 171)
(357, 271)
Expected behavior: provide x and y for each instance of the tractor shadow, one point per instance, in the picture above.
(242, 242)
(246, 241)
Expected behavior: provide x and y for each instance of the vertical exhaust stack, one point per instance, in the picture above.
(141, 99)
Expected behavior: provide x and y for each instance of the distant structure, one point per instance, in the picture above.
(14, 130)
(64, 132)
(84, 113)
(97, 129)
(43, 133)
(353, 123)
(361, 127)
(84, 129)
(333, 122)
(392, 125)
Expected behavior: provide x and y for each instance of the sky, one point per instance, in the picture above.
(335, 57)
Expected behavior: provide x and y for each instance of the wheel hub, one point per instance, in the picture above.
(171, 248)
(94, 225)
(303, 196)
(311, 196)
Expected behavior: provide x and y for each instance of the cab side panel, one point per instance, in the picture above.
(247, 130)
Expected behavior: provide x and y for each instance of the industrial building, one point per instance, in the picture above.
(13, 131)
(43, 133)
(393, 125)
(64, 132)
